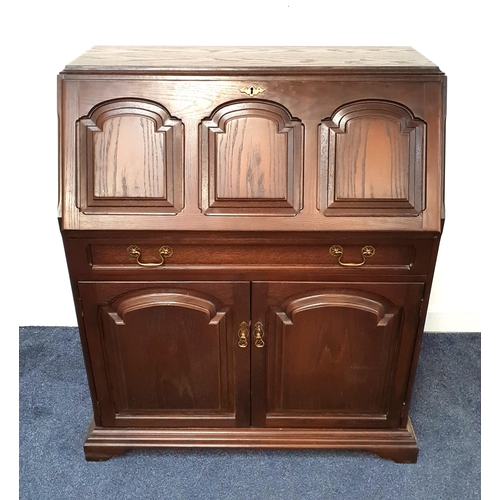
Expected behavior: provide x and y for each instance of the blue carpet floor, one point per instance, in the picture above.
(55, 410)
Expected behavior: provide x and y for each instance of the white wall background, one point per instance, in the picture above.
(41, 37)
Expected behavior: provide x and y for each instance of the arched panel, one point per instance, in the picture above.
(372, 160)
(131, 156)
(349, 335)
(251, 160)
(167, 350)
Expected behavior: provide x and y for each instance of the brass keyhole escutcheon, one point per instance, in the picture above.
(252, 91)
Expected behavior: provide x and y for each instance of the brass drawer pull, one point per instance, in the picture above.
(164, 251)
(337, 251)
(258, 333)
(243, 335)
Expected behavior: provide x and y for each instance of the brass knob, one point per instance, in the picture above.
(337, 251)
(164, 251)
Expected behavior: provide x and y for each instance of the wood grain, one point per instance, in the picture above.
(372, 160)
(193, 102)
(227, 59)
(375, 161)
(251, 160)
(130, 153)
(129, 159)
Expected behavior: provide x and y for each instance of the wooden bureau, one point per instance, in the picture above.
(251, 235)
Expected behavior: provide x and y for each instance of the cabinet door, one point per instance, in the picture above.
(167, 354)
(334, 355)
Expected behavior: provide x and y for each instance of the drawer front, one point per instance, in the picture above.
(337, 256)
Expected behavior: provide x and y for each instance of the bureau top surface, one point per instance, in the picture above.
(220, 60)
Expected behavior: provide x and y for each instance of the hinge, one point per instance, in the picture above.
(403, 409)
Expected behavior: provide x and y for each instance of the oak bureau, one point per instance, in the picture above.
(251, 235)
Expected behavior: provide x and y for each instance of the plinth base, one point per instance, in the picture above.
(399, 445)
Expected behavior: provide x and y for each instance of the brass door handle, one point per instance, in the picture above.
(164, 251)
(337, 251)
(243, 335)
(258, 334)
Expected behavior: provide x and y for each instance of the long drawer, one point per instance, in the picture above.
(151, 257)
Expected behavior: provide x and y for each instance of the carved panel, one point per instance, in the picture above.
(251, 160)
(131, 159)
(349, 335)
(372, 160)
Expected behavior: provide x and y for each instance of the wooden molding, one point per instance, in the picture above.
(372, 303)
(155, 298)
(398, 444)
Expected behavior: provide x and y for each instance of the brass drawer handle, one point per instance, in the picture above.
(164, 251)
(337, 251)
(243, 335)
(258, 333)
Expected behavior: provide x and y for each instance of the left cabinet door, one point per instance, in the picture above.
(168, 354)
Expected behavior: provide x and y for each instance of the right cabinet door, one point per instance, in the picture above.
(333, 355)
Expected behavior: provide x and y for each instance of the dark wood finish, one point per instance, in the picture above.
(396, 444)
(336, 355)
(106, 255)
(329, 79)
(166, 353)
(283, 244)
